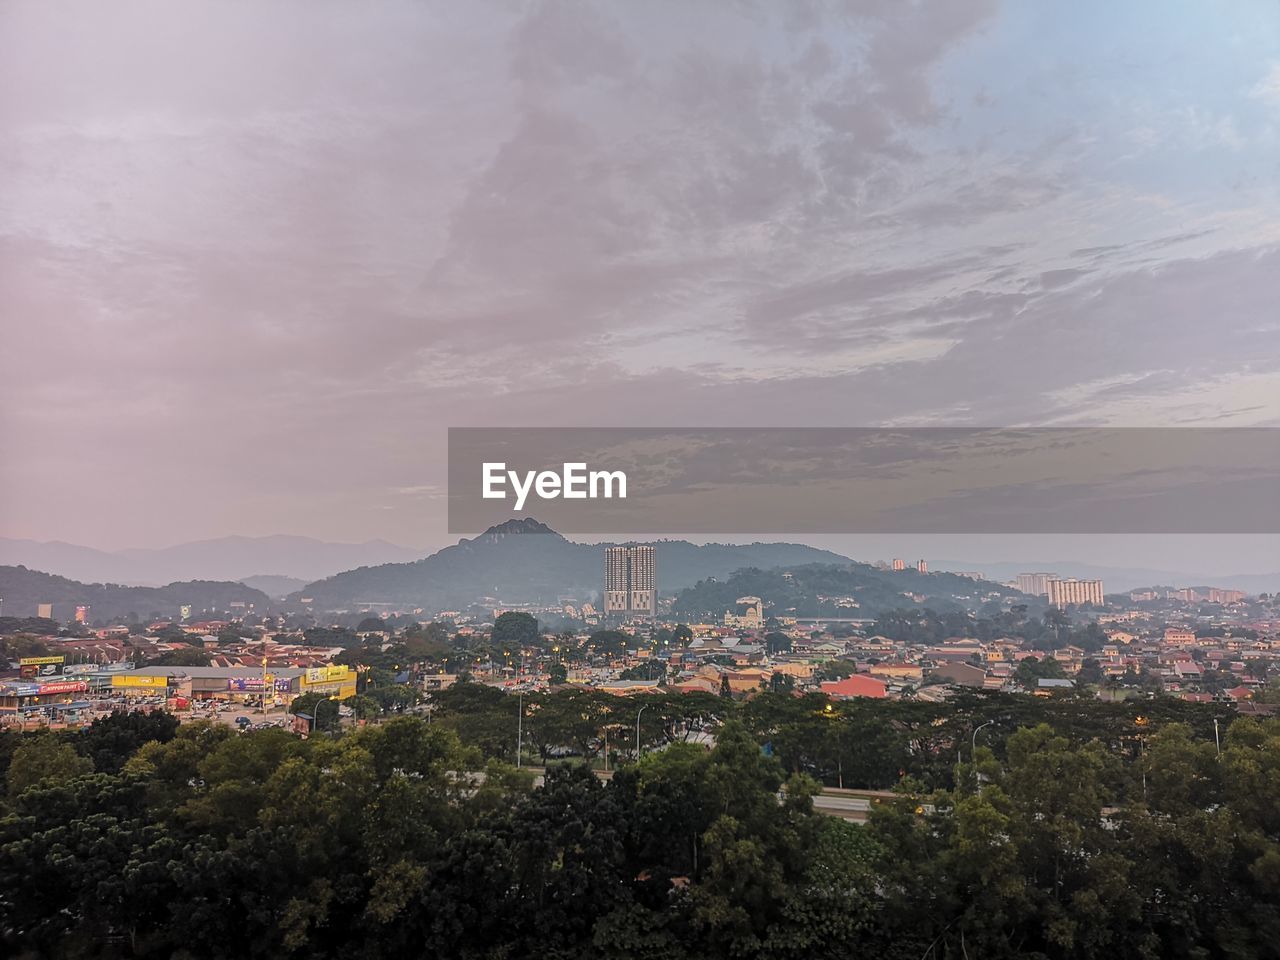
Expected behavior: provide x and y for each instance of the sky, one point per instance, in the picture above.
(257, 257)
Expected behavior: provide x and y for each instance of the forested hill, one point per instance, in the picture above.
(24, 590)
(839, 590)
(526, 561)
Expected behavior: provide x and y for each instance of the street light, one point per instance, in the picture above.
(973, 750)
(520, 728)
(974, 745)
(638, 715)
(315, 713)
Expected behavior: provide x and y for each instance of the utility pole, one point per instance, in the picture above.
(1217, 742)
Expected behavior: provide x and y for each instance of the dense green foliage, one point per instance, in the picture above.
(817, 590)
(1074, 829)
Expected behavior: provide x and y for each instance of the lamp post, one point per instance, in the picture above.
(974, 744)
(973, 750)
(315, 714)
(519, 727)
(639, 713)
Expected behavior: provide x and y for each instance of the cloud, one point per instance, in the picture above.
(318, 248)
(1268, 88)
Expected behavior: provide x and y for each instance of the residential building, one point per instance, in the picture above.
(1070, 592)
(1035, 584)
(630, 582)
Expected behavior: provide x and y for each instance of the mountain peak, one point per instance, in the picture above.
(515, 526)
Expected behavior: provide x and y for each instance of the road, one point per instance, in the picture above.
(853, 805)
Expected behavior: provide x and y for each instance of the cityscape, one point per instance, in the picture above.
(591, 480)
(1037, 634)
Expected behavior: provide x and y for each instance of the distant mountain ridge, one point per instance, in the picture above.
(225, 558)
(272, 585)
(23, 590)
(525, 561)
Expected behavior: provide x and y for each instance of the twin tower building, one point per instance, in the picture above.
(630, 583)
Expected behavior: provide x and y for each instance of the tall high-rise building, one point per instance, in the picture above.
(922, 567)
(1036, 584)
(899, 563)
(630, 582)
(1072, 591)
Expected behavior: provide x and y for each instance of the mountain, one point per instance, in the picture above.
(524, 561)
(1119, 579)
(274, 586)
(830, 590)
(227, 558)
(23, 590)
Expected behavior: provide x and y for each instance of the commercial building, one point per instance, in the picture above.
(237, 684)
(1072, 592)
(630, 582)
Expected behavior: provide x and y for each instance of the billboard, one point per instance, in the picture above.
(257, 685)
(328, 674)
(44, 611)
(31, 668)
(82, 614)
(140, 680)
(62, 686)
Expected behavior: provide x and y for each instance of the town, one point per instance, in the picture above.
(1194, 644)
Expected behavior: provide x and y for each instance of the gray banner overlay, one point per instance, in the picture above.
(869, 480)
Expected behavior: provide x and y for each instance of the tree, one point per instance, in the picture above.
(362, 707)
(777, 643)
(1031, 670)
(515, 631)
(110, 741)
(647, 670)
(782, 682)
(44, 759)
(1090, 671)
(323, 711)
(609, 642)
